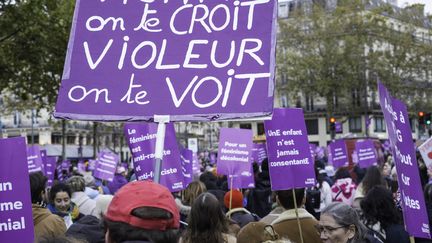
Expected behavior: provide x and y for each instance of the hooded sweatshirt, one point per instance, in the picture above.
(344, 190)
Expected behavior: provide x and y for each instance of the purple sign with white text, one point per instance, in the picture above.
(34, 159)
(186, 162)
(338, 155)
(50, 166)
(234, 156)
(259, 152)
(106, 165)
(399, 131)
(141, 138)
(16, 219)
(365, 152)
(290, 160)
(212, 59)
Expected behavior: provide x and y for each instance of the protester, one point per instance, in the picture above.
(276, 211)
(46, 224)
(210, 181)
(207, 222)
(90, 186)
(88, 229)
(192, 191)
(319, 196)
(102, 202)
(235, 208)
(118, 181)
(61, 204)
(286, 225)
(142, 211)
(372, 178)
(343, 190)
(259, 198)
(85, 204)
(258, 232)
(378, 207)
(340, 223)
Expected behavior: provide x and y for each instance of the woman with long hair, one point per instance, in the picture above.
(372, 178)
(207, 222)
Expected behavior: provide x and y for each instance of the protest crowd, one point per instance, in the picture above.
(348, 204)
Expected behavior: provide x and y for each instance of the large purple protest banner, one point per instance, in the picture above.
(50, 166)
(366, 153)
(16, 217)
(106, 165)
(34, 159)
(400, 137)
(235, 155)
(290, 160)
(141, 138)
(192, 60)
(338, 155)
(186, 162)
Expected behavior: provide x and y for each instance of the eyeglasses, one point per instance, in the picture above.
(327, 229)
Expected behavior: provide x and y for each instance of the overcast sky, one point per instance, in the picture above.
(428, 4)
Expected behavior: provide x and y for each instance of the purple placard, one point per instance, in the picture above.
(218, 68)
(16, 212)
(366, 153)
(313, 148)
(81, 166)
(259, 152)
(34, 159)
(338, 155)
(196, 166)
(400, 137)
(50, 167)
(43, 154)
(106, 165)
(141, 138)
(290, 161)
(235, 155)
(186, 162)
(338, 127)
(212, 158)
(91, 164)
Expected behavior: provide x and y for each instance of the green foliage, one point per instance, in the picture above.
(33, 43)
(332, 53)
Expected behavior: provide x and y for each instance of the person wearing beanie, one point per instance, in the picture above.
(118, 181)
(142, 211)
(235, 208)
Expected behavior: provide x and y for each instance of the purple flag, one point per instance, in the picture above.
(186, 162)
(127, 64)
(365, 152)
(141, 138)
(34, 159)
(290, 161)
(399, 132)
(16, 217)
(106, 165)
(338, 155)
(50, 166)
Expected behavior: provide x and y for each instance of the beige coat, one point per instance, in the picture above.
(46, 224)
(287, 227)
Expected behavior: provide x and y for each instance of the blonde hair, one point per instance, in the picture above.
(192, 191)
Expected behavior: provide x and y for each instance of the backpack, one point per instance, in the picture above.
(313, 197)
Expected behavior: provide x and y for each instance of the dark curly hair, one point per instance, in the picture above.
(378, 206)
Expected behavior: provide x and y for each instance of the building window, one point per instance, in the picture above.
(355, 124)
(246, 126)
(17, 119)
(412, 124)
(312, 126)
(70, 139)
(260, 128)
(56, 139)
(309, 102)
(380, 125)
(283, 10)
(35, 137)
(283, 101)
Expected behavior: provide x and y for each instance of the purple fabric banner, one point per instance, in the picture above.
(16, 217)
(141, 138)
(290, 161)
(338, 155)
(34, 159)
(50, 167)
(365, 152)
(127, 64)
(400, 137)
(234, 155)
(106, 165)
(186, 162)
